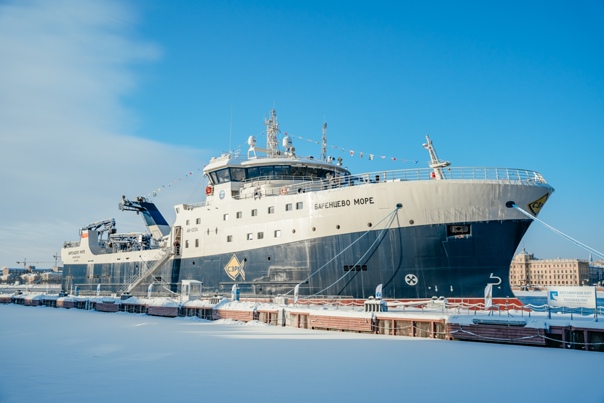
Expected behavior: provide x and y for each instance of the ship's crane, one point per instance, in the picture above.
(101, 226)
(154, 220)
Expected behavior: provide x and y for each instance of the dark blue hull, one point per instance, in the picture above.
(410, 263)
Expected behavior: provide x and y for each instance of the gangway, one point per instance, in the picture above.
(162, 256)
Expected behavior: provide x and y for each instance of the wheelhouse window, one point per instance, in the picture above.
(253, 172)
(282, 171)
(298, 171)
(312, 172)
(223, 176)
(238, 174)
(266, 171)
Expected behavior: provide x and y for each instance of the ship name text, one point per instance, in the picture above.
(75, 252)
(344, 203)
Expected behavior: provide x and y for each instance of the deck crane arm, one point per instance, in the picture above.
(154, 220)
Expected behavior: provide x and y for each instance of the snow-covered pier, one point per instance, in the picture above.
(429, 319)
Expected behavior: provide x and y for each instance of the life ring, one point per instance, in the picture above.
(209, 190)
(283, 190)
(433, 175)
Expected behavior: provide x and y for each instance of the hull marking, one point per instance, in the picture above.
(234, 269)
(536, 206)
(411, 279)
(495, 278)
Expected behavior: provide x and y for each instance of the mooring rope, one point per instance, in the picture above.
(379, 238)
(390, 215)
(580, 244)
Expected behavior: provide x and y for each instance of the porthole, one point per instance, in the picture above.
(411, 222)
(369, 224)
(269, 258)
(314, 228)
(293, 231)
(338, 226)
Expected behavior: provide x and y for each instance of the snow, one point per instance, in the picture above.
(51, 354)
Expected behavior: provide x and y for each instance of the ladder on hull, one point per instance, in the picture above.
(162, 256)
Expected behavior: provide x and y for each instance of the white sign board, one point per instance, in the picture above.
(572, 297)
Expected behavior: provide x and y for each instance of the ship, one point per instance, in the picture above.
(273, 223)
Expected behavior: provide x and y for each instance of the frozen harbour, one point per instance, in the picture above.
(73, 356)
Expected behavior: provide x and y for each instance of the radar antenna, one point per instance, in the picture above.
(435, 163)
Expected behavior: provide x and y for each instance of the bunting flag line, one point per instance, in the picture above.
(361, 154)
(155, 192)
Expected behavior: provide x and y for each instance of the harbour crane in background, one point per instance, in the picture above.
(25, 262)
(56, 256)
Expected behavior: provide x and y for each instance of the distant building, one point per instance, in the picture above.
(596, 272)
(14, 270)
(30, 275)
(527, 272)
(12, 274)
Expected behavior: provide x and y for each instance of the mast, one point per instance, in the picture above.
(272, 129)
(324, 144)
(435, 163)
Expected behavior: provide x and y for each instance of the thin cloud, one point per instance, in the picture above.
(65, 151)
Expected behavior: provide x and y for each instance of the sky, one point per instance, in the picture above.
(100, 99)
(75, 356)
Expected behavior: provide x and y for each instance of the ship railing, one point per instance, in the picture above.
(286, 184)
(449, 173)
(277, 184)
(503, 175)
(72, 244)
(191, 206)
